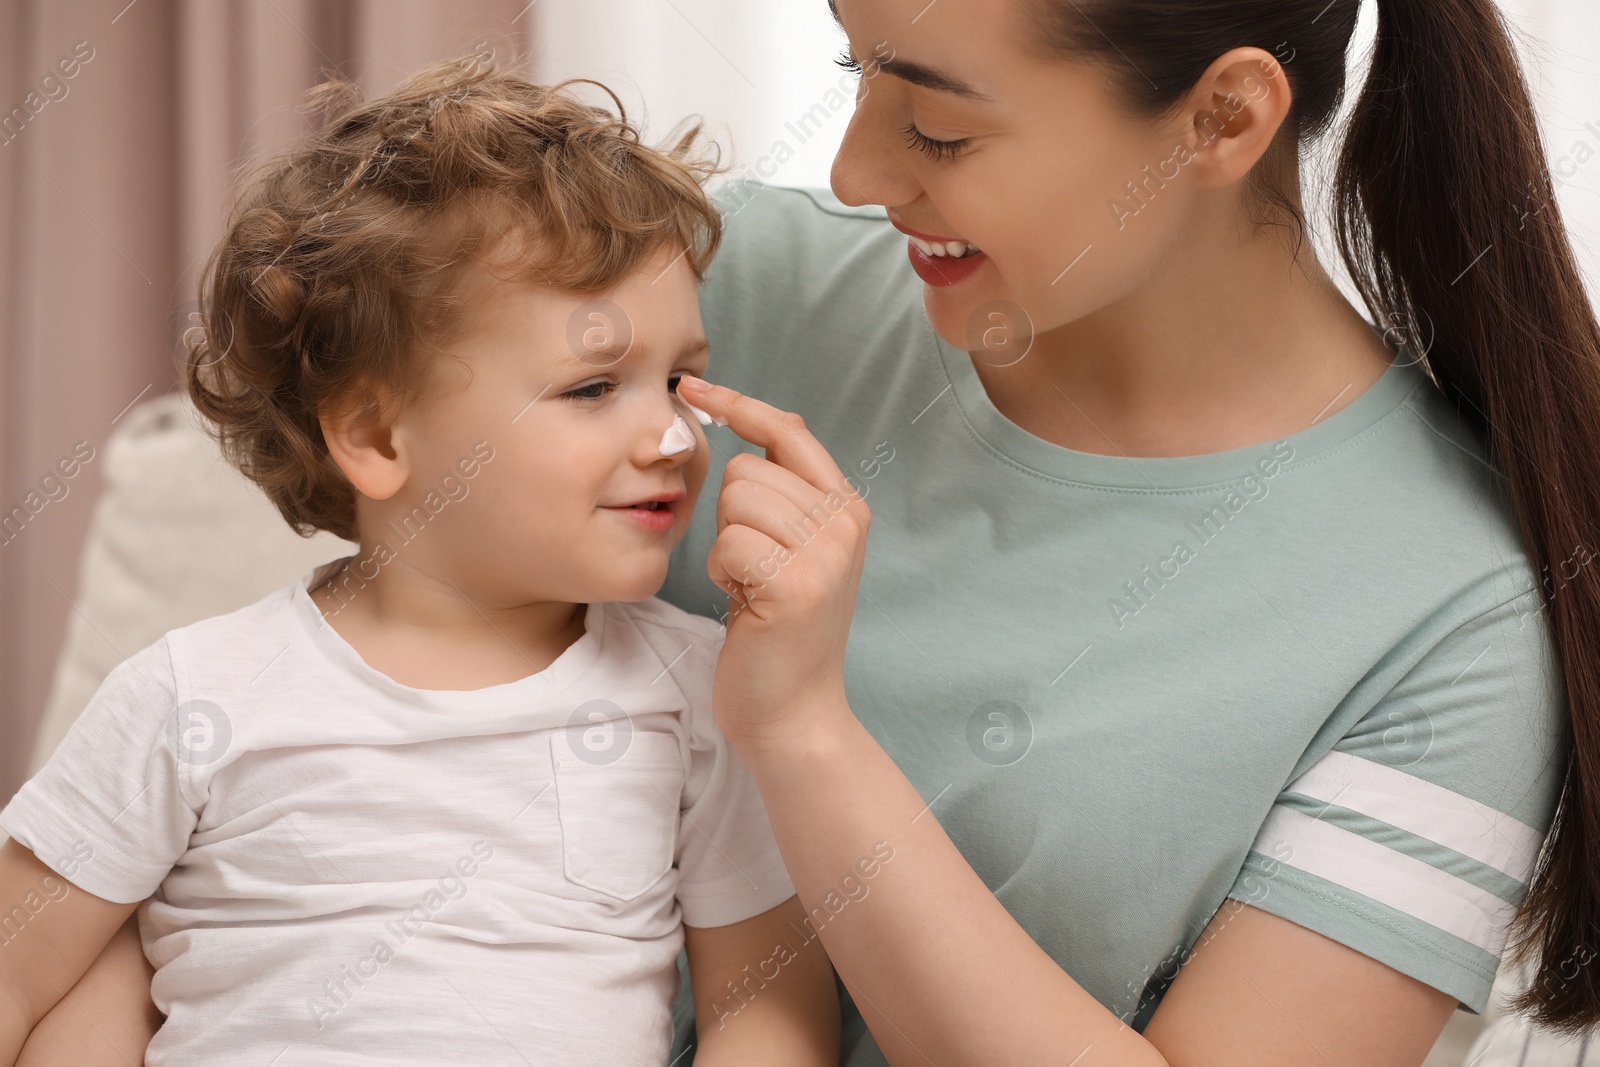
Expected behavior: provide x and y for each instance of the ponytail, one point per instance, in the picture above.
(1446, 211)
(1446, 219)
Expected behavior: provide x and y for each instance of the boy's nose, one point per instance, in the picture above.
(677, 438)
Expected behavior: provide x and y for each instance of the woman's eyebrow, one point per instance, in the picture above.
(918, 73)
(929, 78)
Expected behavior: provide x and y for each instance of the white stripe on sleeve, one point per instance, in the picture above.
(1373, 870)
(1414, 804)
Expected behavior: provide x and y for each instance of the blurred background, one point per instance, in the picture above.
(121, 123)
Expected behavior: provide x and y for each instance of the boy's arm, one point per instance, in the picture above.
(107, 1019)
(761, 994)
(50, 931)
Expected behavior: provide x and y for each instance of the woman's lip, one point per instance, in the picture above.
(909, 232)
(943, 271)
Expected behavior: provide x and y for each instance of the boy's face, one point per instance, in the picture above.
(572, 395)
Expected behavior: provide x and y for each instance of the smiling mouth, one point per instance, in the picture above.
(935, 247)
(945, 249)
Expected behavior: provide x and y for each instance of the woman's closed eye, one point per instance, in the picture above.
(933, 149)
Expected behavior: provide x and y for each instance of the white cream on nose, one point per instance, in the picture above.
(677, 438)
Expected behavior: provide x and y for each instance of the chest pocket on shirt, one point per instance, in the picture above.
(619, 814)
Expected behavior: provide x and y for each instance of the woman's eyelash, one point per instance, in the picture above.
(935, 150)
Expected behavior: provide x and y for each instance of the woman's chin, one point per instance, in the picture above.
(948, 315)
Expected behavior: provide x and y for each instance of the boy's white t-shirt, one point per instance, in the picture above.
(348, 870)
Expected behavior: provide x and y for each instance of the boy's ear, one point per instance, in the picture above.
(362, 442)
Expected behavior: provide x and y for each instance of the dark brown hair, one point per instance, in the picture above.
(335, 279)
(1447, 221)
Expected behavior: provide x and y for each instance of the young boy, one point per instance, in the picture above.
(458, 798)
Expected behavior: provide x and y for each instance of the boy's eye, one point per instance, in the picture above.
(589, 392)
(601, 389)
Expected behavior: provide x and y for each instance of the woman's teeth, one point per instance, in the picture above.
(951, 249)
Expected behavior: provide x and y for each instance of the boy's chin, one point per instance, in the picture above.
(638, 585)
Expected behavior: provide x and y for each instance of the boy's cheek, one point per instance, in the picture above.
(694, 475)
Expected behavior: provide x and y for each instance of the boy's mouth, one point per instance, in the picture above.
(655, 503)
(655, 515)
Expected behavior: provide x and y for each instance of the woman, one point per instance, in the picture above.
(1201, 540)
(1217, 668)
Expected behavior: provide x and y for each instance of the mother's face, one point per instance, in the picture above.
(1043, 158)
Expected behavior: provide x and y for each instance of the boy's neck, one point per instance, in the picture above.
(431, 630)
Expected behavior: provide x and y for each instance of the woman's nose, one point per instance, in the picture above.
(870, 165)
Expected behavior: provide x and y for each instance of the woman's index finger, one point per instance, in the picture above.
(783, 434)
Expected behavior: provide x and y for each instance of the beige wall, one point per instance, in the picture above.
(110, 197)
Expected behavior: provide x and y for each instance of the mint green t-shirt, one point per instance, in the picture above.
(1312, 675)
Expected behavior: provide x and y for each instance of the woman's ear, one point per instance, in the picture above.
(362, 441)
(1233, 114)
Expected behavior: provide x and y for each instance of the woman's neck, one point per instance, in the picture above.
(1215, 353)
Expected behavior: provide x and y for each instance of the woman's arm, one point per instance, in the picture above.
(944, 975)
(50, 932)
(763, 994)
(107, 1019)
(940, 970)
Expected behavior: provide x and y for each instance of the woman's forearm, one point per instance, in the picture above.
(107, 1019)
(939, 969)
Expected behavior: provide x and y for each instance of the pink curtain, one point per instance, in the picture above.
(120, 124)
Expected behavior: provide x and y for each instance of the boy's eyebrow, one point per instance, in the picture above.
(610, 354)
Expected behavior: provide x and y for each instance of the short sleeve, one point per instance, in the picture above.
(729, 867)
(110, 811)
(1412, 840)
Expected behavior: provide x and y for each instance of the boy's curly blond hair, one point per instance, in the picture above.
(336, 276)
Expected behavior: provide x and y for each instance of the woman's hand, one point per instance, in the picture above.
(791, 539)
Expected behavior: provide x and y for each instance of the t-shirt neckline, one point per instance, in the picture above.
(521, 694)
(1140, 473)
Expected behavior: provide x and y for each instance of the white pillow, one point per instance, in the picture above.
(177, 536)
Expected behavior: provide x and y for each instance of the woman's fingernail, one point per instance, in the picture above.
(702, 385)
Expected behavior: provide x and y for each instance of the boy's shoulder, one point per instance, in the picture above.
(683, 646)
(240, 642)
(271, 611)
